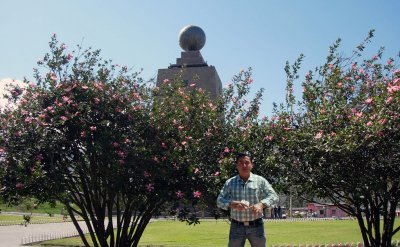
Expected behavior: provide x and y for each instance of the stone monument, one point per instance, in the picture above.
(191, 63)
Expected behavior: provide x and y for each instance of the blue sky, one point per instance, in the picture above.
(262, 34)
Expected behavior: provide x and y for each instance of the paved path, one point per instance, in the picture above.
(11, 236)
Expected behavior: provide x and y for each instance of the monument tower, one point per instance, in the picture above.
(191, 63)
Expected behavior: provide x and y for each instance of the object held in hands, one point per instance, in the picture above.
(245, 202)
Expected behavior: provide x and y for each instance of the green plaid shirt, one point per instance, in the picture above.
(256, 189)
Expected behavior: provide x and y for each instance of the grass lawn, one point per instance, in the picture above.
(215, 233)
(28, 206)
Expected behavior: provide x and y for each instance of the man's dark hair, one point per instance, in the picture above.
(243, 154)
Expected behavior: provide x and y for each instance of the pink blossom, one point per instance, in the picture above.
(65, 99)
(63, 118)
(136, 96)
(359, 114)
(250, 80)
(383, 121)
(99, 85)
(216, 174)
(53, 77)
(226, 150)
(186, 109)
(93, 128)
(165, 81)
(391, 89)
(179, 194)
(28, 120)
(333, 134)
(39, 157)
(389, 100)
(127, 141)
(19, 185)
(269, 138)
(369, 123)
(156, 159)
(197, 194)
(180, 127)
(150, 187)
(96, 100)
(42, 115)
(115, 144)
(361, 71)
(184, 143)
(368, 101)
(84, 87)
(2, 150)
(192, 85)
(121, 154)
(196, 171)
(319, 134)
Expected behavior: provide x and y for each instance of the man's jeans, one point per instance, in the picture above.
(239, 233)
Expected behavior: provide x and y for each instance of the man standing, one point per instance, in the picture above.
(246, 194)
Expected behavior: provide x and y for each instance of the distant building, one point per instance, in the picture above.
(325, 211)
(191, 65)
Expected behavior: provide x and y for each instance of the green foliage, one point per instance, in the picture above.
(95, 137)
(342, 143)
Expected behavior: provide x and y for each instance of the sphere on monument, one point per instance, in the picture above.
(192, 38)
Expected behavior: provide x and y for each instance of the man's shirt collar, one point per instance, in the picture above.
(250, 179)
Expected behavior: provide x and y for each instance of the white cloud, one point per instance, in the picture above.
(4, 84)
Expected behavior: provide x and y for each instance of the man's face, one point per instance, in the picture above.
(244, 166)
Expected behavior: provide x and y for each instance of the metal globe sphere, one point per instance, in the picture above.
(192, 38)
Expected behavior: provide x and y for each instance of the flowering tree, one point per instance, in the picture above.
(342, 144)
(115, 150)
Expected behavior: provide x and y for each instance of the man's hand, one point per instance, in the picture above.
(257, 208)
(238, 205)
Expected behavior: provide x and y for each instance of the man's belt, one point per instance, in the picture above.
(256, 222)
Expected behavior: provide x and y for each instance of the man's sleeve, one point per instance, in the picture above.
(269, 195)
(224, 198)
